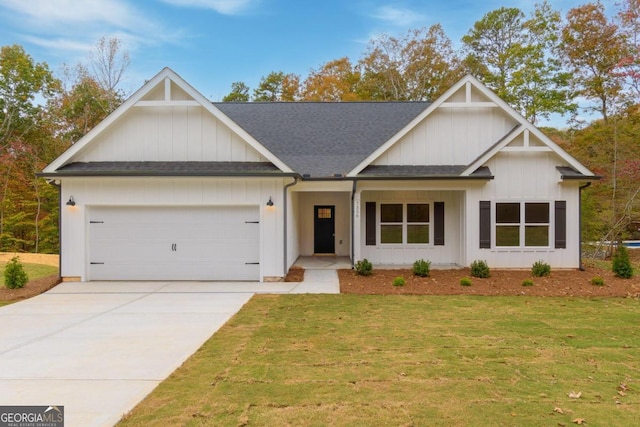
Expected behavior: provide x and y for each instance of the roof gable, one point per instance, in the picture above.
(165, 94)
(468, 97)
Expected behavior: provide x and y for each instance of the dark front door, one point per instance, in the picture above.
(324, 229)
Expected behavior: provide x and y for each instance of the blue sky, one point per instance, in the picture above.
(212, 43)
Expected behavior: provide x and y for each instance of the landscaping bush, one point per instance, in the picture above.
(364, 268)
(480, 269)
(465, 281)
(540, 269)
(597, 281)
(422, 268)
(527, 282)
(14, 274)
(399, 281)
(621, 264)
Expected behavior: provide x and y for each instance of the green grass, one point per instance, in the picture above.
(34, 271)
(350, 360)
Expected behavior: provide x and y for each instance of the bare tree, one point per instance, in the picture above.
(109, 62)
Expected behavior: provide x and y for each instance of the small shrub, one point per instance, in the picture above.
(527, 282)
(14, 274)
(465, 281)
(364, 268)
(540, 269)
(480, 269)
(422, 268)
(399, 281)
(597, 281)
(621, 264)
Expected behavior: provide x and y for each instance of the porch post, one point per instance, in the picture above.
(355, 227)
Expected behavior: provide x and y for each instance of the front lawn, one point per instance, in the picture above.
(410, 360)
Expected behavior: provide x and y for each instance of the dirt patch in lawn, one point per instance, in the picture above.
(46, 259)
(35, 286)
(501, 282)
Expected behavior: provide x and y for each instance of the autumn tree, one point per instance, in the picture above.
(25, 135)
(81, 106)
(277, 86)
(515, 56)
(334, 81)
(592, 46)
(629, 65)
(419, 66)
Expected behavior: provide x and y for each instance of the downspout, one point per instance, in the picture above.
(353, 222)
(582, 187)
(286, 225)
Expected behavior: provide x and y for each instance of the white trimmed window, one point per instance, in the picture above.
(522, 224)
(405, 223)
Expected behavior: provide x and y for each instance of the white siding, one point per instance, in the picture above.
(449, 253)
(522, 177)
(176, 133)
(449, 136)
(91, 192)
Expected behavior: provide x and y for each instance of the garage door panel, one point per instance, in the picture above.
(168, 243)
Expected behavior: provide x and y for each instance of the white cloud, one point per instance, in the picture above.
(75, 26)
(58, 13)
(401, 17)
(59, 43)
(225, 7)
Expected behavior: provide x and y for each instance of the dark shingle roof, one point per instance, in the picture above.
(567, 172)
(322, 139)
(432, 171)
(169, 169)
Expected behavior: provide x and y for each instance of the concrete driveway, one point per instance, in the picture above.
(98, 348)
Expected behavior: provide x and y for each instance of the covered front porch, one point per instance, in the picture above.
(396, 223)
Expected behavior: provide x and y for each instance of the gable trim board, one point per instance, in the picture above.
(352, 158)
(164, 77)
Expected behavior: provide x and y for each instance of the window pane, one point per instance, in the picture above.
(391, 213)
(390, 234)
(418, 213)
(536, 235)
(536, 213)
(417, 234)
(324, 213)
(508, 213)
(508, 236)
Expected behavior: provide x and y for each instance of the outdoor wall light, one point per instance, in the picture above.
(71, 202)
(270, 202)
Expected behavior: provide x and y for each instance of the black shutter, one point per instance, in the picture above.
(561, 224)
(485, 225)
(438, 223)
(370, 223)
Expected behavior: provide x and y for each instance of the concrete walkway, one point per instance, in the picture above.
(99, 348)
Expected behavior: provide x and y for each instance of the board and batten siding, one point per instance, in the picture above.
(395, 254)
(524, 177)
(175, 133)
(160, 191)
(449, 136)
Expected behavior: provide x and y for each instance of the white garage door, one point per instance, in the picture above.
(171, 243)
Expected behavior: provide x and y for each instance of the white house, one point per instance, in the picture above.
(172, 186)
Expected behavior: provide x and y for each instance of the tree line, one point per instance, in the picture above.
(541, 63)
